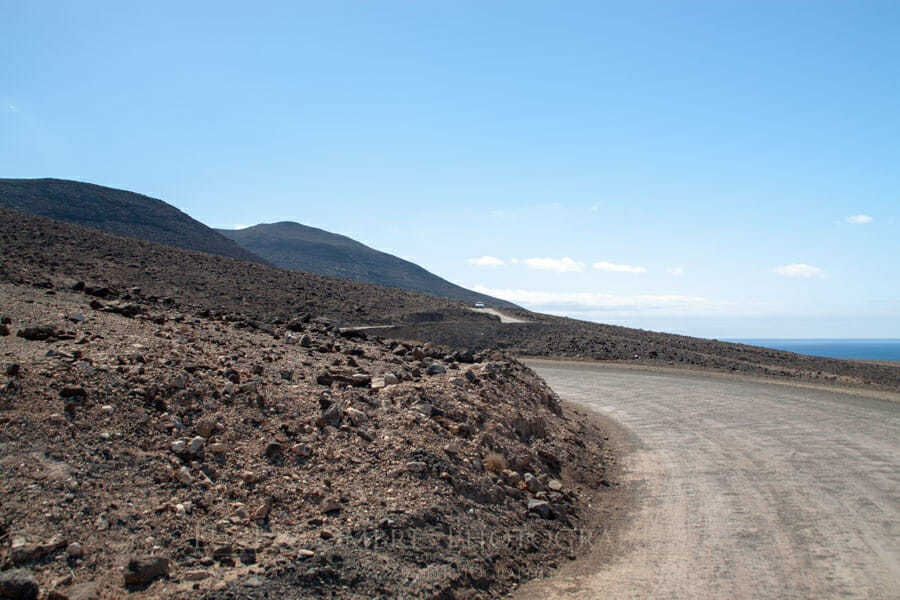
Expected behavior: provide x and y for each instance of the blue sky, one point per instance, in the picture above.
(680, 166)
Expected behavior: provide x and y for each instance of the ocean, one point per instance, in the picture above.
(872, 349)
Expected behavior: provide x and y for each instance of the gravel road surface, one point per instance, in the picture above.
(742, 489)
(504, 318)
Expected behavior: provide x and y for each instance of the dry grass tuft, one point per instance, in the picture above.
(494, 462)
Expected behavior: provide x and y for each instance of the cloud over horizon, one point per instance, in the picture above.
(800, 271)
(591, 301)
(859, 219)
(614, 268)
(486, 261)
(558, 265)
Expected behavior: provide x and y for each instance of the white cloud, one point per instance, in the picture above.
(486, 261)
(560, 265)
(596, 208)
(859, 219)
(676, 271)
(800, 271)
(590, 301)
(12, 108)
(614, 268)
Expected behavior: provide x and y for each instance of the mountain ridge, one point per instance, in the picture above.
(117, 211)
(299, 247)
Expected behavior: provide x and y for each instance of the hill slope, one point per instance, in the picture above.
(302, 248)
(117, 211)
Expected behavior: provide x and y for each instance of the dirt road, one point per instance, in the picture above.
(504, 318)
(744, 490)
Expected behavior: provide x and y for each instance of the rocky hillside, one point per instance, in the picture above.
(548, 336)
(40, 251)
(301, 248)
(116, 211)
(152, 451)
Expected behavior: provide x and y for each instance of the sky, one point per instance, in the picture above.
(720, 169)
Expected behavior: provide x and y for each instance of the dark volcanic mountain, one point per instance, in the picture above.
(117, 211)
(302, 248)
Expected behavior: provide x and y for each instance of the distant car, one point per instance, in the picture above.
(479, 305)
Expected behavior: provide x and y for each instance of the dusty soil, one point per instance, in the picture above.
(150, 451)
(744, 489)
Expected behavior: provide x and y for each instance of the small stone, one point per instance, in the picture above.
(555, 485)
(205, 427)
(435, 369)
(262, 512)
(305, 340)
(511, 477)
(89, 590)
(217, 448)
(144, 569)
(324, 379)
(222, 551)
(73, 393)
(75, 551)
(40, 333)
(195, 446)
(179, 447)
(355, 415)
(532, 483)
(540, 508)
(18, 584)
(360, 380)
(331, 416)
(273, 450)
(330, 505)
(12, 370)
(196, 575)
(247, 556)
(302, 450)
(424, 408)
(416, 467)
(21, 551)
(184, 476)
(303, 554)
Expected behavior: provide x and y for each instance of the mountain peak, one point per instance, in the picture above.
(300, 247)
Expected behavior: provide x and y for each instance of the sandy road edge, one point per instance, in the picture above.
(863, 392)
(613, 508)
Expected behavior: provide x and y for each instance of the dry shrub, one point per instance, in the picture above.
(494, 462)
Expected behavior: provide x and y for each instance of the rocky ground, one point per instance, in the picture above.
(547, 336)
(152, 450)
